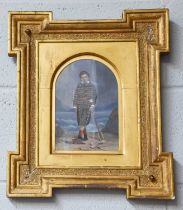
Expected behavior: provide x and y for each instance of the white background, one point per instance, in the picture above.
(172, 103)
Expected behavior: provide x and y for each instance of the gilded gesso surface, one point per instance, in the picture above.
(37, 41)
(52, 55)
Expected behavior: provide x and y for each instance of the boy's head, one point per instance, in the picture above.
(84, 76)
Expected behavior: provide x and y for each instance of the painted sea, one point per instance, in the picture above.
(68, 121)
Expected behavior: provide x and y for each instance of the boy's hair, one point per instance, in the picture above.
(83, 72)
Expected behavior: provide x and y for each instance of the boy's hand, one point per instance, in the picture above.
(92, 107)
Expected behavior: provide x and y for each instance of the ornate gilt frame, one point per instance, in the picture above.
(147, 172)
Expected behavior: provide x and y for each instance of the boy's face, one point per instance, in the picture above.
(84, 78)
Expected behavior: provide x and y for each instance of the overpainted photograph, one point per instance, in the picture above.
(86, 108)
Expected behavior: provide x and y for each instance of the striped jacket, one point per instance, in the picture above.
(85, 95)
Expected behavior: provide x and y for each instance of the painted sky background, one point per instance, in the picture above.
(103, 79)
(101, 76)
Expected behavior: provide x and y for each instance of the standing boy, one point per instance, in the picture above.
(84, 102)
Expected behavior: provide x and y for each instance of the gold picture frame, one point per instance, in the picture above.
(131, 48)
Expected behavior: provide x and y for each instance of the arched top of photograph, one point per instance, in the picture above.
(86, 98)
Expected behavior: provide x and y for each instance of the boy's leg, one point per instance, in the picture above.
(81, 132)
(85, 134)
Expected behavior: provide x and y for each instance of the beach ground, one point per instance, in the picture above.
(69, 142)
